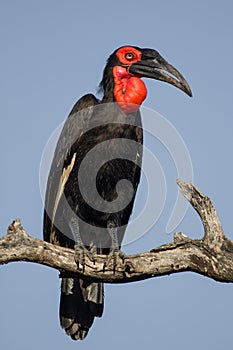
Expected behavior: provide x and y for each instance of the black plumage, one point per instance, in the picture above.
(74, 309)
(116, 132)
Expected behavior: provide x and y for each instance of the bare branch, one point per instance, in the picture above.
(211, 256)
(214, 234)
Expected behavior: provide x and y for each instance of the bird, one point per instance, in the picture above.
(112, 127)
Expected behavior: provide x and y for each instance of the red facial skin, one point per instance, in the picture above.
(129, 90)
(121, 54)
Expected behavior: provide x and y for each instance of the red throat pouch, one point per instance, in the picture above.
(129, 91)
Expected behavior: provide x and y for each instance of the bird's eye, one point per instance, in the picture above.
(129, 56)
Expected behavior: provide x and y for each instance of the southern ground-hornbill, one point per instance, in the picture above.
(104, 126)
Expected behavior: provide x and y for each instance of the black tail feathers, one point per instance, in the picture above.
(80, 303)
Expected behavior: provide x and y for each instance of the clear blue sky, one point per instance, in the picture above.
(53, 52)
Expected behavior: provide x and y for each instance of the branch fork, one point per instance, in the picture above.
(211, 256)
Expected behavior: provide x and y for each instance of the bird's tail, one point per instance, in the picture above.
(80, 302)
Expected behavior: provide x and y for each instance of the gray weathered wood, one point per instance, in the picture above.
(211, 256)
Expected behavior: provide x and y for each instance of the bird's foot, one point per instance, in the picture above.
(80, 252)
(79, 255)
(112, 259)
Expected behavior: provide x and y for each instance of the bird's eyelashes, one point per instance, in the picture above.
(129, 56)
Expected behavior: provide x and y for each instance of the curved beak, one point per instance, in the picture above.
(153, 65)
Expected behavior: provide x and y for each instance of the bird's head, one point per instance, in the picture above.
(124, 70)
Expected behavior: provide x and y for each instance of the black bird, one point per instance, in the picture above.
(112, 128)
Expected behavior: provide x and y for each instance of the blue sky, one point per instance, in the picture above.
(53, 52)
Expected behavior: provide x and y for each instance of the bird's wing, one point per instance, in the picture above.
(63, 162)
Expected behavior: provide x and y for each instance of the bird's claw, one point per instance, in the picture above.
(80, 251)
(79, 255)
(115, 255)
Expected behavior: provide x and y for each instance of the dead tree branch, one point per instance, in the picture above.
(211, 256)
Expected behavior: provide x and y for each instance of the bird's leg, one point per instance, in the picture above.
(115, 250)
(79, 248)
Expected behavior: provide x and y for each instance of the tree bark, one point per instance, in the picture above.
(211, 256)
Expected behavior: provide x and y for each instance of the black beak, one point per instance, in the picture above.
(153, 65)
